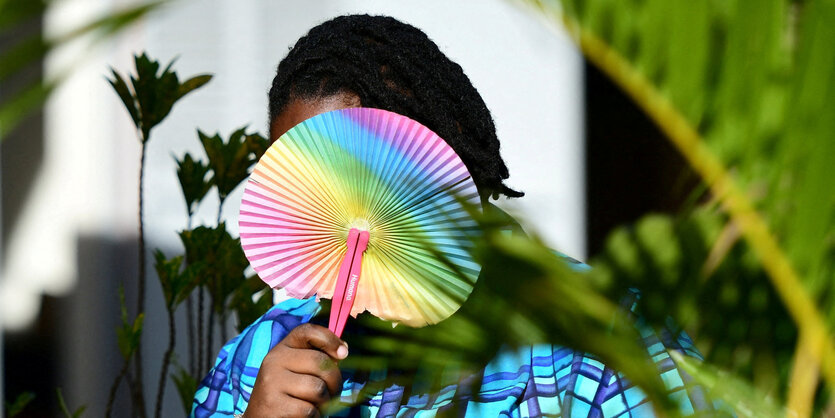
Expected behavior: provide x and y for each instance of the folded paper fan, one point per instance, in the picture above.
(367, 207)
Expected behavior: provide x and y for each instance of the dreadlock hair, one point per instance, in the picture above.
(394, 66)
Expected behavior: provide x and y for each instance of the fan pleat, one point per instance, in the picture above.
(290, 197)
(266, 214)
(375, 170)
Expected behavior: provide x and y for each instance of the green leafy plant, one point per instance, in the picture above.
(148, 96)
(212, 263)
(127, 337)
(747, 271)
(739, 88)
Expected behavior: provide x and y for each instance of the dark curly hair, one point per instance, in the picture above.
(391, 65)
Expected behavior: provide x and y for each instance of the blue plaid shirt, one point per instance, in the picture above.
(542, 380)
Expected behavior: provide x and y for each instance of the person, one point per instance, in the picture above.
(284, 365)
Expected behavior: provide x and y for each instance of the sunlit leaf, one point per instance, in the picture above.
(738, 395)
(740, 89)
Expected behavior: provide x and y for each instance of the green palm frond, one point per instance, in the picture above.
(21, 54)
(743, 90)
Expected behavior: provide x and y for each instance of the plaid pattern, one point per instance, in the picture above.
(543, 380)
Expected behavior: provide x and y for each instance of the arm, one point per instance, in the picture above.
(227, 388)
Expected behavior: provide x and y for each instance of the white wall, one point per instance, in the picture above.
(530, 77)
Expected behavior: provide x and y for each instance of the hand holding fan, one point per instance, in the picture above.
(364, 193)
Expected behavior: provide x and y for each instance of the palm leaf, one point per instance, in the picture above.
(739, 88)
(19, 56)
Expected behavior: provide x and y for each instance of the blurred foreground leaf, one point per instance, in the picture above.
(526, 295)
(739, 395)
(739, 88)
(27, 51)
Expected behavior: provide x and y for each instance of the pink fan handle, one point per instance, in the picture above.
(346, 282)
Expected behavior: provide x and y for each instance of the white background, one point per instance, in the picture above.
(529, 75)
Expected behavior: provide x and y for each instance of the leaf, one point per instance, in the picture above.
(742, 398)
(730, 308)
(186, 388)
(250, 300)
(526, 295)
(746, 113)
(231, 160)
(189, 279)
(128, 333)
(22, 104)
(18, 12)
(177, 281)
(223, 259)
(257, 145)
(18, 57)
(28, 50)
(168, 272)
(155, 93)
(63, 405)
(118, 84)
(152, 92)
(193, 84)
(19, 404)
(193, 181)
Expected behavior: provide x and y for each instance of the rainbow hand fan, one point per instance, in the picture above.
(366, 207)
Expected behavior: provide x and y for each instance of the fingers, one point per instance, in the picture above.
(293, 407)
(271, 399)
(299, 375)
(319, 338)
(316, 364)
(309, 388)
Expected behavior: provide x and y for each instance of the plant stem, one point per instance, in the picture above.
(140, 302)
(115, 386)
(200, 342)
(211, 328)
(192, 364)
(223, 334)
(166, 360)
(213, 284)
(131, 383)
(804, 379)
(220, 209)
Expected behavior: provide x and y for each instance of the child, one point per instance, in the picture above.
(284, 366)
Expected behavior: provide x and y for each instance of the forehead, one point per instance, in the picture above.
(299, 110)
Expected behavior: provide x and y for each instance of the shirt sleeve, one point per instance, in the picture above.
(226, 388)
